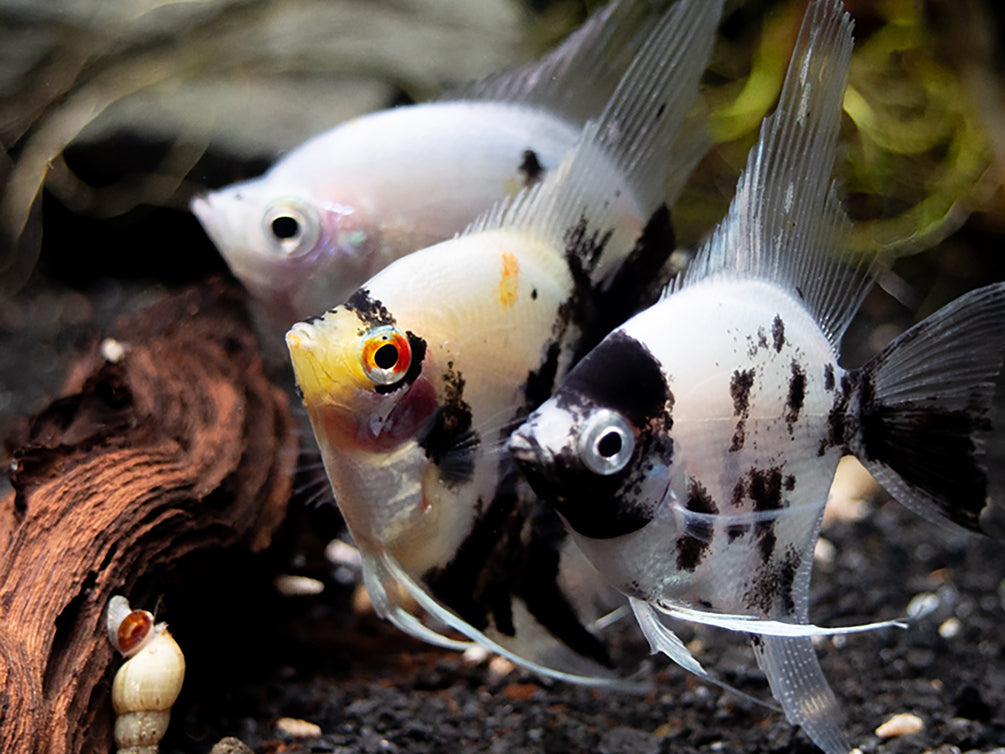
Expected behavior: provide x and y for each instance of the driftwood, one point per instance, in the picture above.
(178, 445)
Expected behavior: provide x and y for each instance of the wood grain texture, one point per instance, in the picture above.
(181, 445)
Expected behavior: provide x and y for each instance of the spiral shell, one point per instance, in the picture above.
(147, 684)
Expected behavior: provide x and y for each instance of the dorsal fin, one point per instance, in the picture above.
(785, 224)
(632, 139)
(578, 77)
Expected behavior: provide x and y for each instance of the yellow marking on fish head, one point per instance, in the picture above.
(509, 281)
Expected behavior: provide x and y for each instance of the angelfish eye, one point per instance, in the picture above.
(606, 442)
(291, 227)
(386, 355)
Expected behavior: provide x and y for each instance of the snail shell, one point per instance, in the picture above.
(147, 685)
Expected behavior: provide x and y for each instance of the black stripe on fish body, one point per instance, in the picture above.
(739, 390)
(931, 449)
(541, 381)
(796, 397)
(370, 312)
(694, 543)
(530, 167)
(513, 550)
(837, 417)
(764, 489)
(771, 587)
(542, 595)
(636, 284)
(450, 442)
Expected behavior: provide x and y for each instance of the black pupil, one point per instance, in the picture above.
(609, 444)
(386, 356)
(285, 227)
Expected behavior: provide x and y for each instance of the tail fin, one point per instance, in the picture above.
(919, 415)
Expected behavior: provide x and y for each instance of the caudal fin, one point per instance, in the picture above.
(920, 413)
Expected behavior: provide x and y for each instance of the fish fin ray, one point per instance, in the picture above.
(921, 413)
(662, 639)
(750, 624)
(633, 137)
(434, 608)
(785, 224)
(576, 78)
(798, 683)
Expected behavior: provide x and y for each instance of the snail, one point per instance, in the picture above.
(148, 682)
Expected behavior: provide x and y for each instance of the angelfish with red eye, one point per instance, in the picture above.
(414, 383)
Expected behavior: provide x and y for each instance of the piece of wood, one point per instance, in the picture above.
(180, 445)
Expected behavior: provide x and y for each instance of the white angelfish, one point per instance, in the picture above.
(691, 452)
(346, 203)
(414, 384)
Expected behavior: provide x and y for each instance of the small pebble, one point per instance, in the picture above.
(291, 726)
(824, 553)
(112, 350)
(903, 724)
(289, 585)
(950, 628)
(500, 666)
(231, 745)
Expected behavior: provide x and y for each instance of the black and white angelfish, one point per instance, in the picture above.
(691, 452)
(346, 203)
(415, 383)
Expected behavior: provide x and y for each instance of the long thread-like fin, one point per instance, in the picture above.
(663, 639)
(763, 627)
(434, 608)
(920, 414)
(798, 683)
(630, 143)
(785, 224)
(576, 79)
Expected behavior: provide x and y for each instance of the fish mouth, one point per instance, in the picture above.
(526, 451)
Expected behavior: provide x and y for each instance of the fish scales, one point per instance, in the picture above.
(691, 452)
(414, 385)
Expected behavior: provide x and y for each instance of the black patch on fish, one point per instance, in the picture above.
(739, 390)
(533, 294)
(450, 442)
(789, 483)
(370, 312)
(697, 537)
(541, 381)
(735, 531)
(418, 348)
(531, 168)
(796, 396)
(739, 492)
(837, 417)
(930, 448)
(637, 283)
(764, 487)
(773, 581)
(477, 583)
(622, 375)
(513, 551)
(778, 333)
(541, 593)
(828, 377)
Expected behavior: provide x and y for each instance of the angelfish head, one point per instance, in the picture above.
(295, 252)
(600, 450)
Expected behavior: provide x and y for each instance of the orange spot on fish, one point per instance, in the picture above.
(509, 283)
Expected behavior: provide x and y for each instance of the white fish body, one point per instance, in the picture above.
(335, 210)
(413, 385)
(690, 453)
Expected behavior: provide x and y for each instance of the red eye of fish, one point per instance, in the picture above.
(386, 355)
